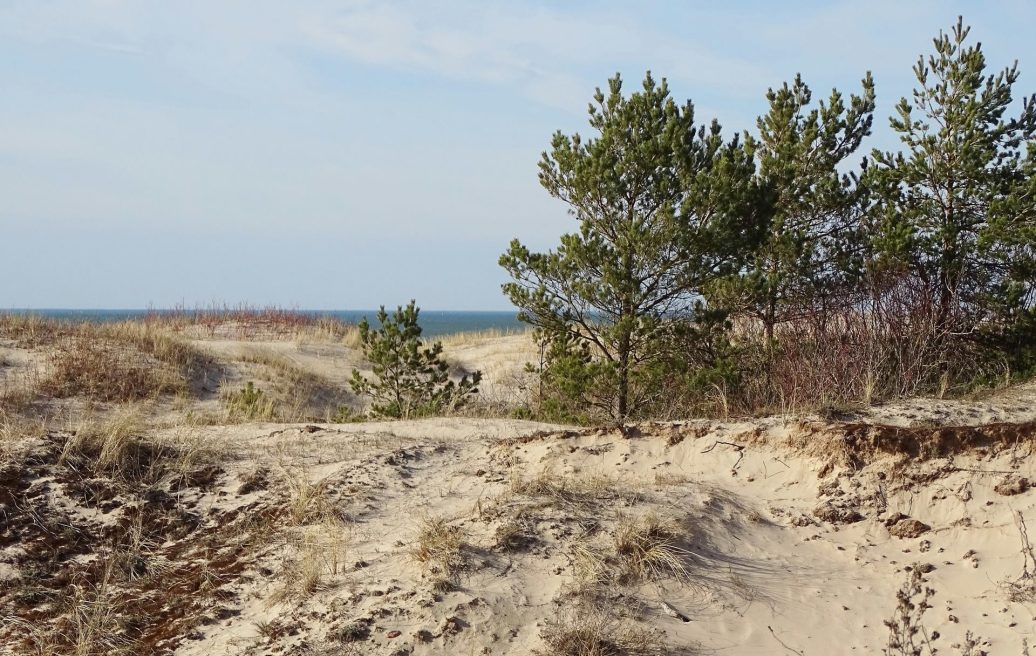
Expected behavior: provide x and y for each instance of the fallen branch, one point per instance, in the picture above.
(740, 451)
(982, 471)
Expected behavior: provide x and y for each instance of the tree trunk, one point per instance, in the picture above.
(622, 411)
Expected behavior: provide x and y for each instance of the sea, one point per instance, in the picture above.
(434, 323)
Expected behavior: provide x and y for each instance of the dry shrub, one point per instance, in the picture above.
(30, 330)
(595, 631)
(440, 549)
(250, 323)
(102, 370)
(891, 346)
(908, 635)
(1023, 588)
(121, 362)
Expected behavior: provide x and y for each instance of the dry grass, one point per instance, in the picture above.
(247, 404)
(18, 421)
(303, 394)
(327, 330)
(669, 479)
(635, 550)
(649, 549)
(471, 337)
(597, 631)
(516, 533)
(590, 565)
(107, 362)
(116, 445)
(570, 491)
(308, 502)
(440, 549)
(93, 617)
(112, 445)
(149, 572)
(320, 551)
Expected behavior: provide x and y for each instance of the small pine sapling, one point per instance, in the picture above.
(410, 380)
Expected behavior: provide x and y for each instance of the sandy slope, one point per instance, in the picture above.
(1010, 404)
(763, 568)
(789, 536)
(766, 559)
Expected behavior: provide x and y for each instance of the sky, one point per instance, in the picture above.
(344, 154)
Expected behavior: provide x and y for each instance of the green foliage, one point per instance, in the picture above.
(410, 380)
(249, 403)
(694, 363)
(343, 414)
(575, 388)
(809, 257)
(957, 207)
(698, 367)
(1014, 343)
(664, 207)
(915, 274)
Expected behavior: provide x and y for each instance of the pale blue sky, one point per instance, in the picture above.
(343, 154)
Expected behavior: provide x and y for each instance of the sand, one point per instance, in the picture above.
(791, 535)
(764, 569)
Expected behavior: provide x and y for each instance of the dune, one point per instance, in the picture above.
(472, 535)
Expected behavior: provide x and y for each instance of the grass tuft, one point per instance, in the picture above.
(440, 549)
(594, 631)
(648, 549)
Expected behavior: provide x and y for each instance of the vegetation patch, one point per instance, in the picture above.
(599, 631)
(411, 380)
(157, 567)
(249, 403)
(439, 547)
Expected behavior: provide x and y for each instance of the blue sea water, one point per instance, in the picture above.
(434, 323)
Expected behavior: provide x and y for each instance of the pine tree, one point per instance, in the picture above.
(809, 256)
(664, 206)
(957, 207)
(411, 380)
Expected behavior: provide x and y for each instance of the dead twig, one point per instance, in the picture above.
(982, 471)
(740, 451)
(1024, 587)
(783, 644)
